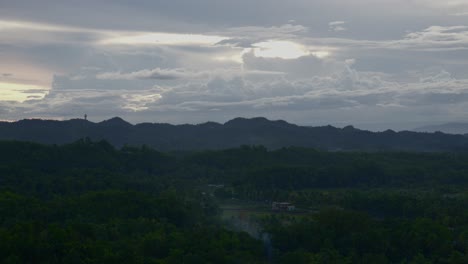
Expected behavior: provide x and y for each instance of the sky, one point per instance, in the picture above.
(374, 64)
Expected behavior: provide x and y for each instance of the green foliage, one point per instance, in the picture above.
(88, 202)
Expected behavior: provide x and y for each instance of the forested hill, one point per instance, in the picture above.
(87, 202)
(234, 133)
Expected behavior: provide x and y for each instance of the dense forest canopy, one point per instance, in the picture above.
(89, 202)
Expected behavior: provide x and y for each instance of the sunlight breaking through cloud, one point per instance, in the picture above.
(280, 49)
(21, 92)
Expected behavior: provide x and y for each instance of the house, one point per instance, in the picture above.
(282, 206)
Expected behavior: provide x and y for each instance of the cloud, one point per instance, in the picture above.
(159, 38)
(456, 4)
(284, 42)
(346, 92)
(28, 33)
(337, 26)
(204, 61)
(302, 67)
(139, 101)
(41, 33)
(278, 92)
(435, 38)
(285, 30)
(15, 92)
(154, 74)
(460, 14)
(442, 76)
(279, 49)
(349, 91)
(15, 25)
(180, 73)
(246, 37)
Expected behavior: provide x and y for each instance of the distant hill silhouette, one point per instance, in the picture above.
(236, 132)
(449, 128)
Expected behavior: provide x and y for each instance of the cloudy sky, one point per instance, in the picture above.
(375, 64)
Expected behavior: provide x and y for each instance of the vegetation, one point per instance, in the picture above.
(88, 202)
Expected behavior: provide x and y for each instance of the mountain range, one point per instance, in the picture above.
(234, 133)
(449, 128)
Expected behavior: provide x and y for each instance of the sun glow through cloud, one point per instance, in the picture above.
(320, 54)
(279, 49)
(21, 92)
(139, 102)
